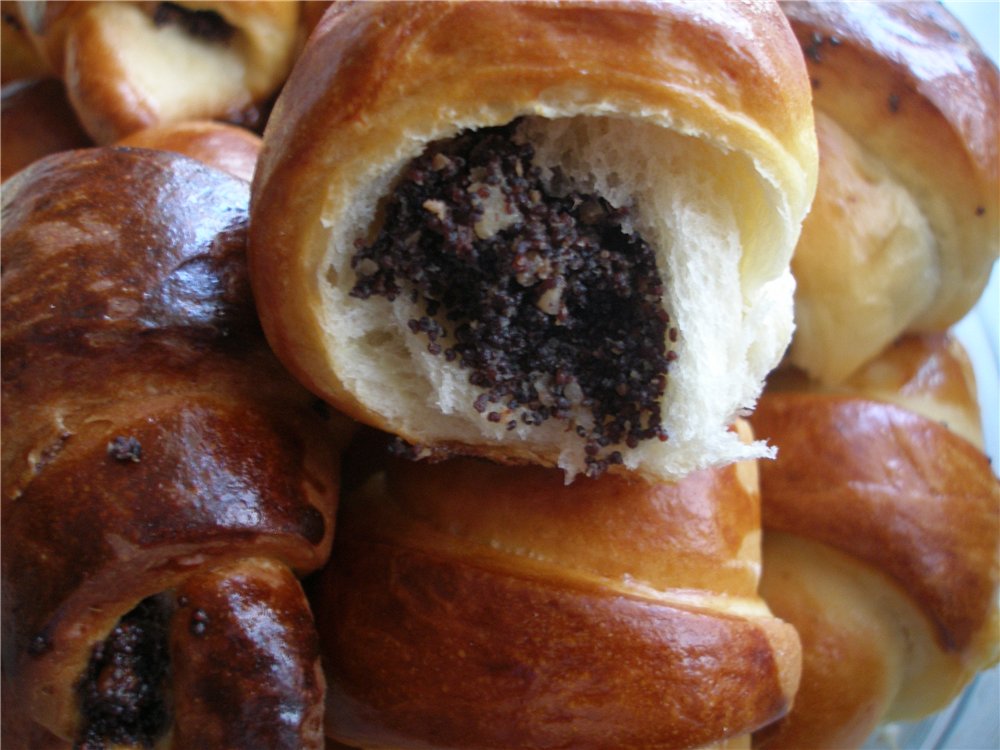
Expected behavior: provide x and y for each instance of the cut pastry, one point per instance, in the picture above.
(555, 234)
(132, 65)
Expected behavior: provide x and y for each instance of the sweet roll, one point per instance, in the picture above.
(164, 481)
(552, 234)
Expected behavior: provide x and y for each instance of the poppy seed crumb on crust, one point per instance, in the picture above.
(813, 47)
(122, 448)
(553, 308)
(40, 644)
(199, 622)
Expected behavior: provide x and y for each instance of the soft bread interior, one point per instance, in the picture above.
(704, 210)
(168, 65)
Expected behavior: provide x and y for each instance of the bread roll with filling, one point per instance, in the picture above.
(904, 228)
(473, 605)
(133, 65)
(881, 540)
(164, 481)
(547, 233)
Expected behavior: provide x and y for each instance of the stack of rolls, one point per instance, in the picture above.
(881, 531)
(492, 376)
(545, 251)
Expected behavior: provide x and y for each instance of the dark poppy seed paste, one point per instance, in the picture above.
(543, 297)
(206, 25)
(121, 694)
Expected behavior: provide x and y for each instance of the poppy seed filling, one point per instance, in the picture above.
(206, 25)
(542, 295)
(121, 693)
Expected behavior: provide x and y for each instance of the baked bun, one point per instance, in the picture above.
(132, 65)
(881, 540)
(164, 480)
(473, 605)
(535, 233)
(904, 228)
(231, 148)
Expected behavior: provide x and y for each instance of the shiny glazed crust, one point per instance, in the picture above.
(231, 148)
(379, 81)
(472, 605)
(151, 441)
(880, 541)
(905, 225)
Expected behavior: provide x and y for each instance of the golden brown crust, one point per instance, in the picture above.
(231, 148)
(891, 488)
(880, 540)
(930, 374)
(36, 119)
(148, 432)
(446, 622)
(437, 618)
(852, 653)
(934, 368)
(918, 99)
(688, 535)
(935, 68)
(353, 72)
